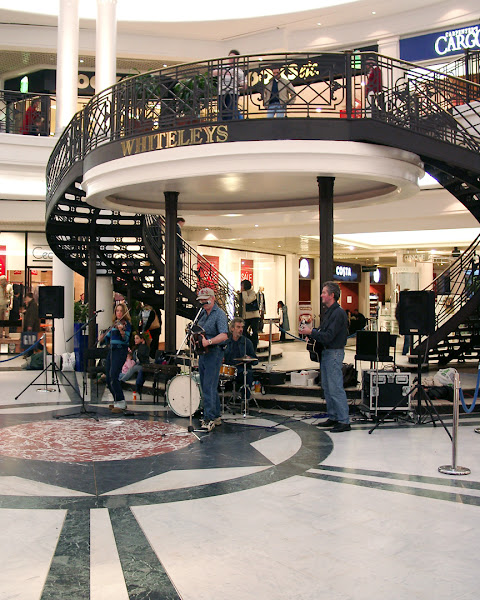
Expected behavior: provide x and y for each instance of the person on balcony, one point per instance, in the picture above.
(33, 119)
(277, 94)
(373, 86)
(231, 81)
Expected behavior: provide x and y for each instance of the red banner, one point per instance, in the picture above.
(246, 270)
(3, 260)
(206, 271)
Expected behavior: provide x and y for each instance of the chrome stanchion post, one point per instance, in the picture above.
(454, 469)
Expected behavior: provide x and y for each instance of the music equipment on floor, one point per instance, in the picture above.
(416, 312)
(246, 359)
(51, 302)
(373, 346)
(382, 390)
(178, 394)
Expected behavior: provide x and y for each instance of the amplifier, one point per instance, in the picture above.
(382, 390)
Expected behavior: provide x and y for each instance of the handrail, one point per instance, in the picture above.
(339, 85)
(456, 284)
(196, 271)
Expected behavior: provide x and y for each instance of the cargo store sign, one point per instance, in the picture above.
(441, 43)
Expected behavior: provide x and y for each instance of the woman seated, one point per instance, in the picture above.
(140, 356)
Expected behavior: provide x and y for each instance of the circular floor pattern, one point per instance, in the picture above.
(89, 440)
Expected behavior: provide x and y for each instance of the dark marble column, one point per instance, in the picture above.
(325, 213)
(171, 275)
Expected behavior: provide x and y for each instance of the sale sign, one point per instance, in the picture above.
(3, 260)
(246, 270)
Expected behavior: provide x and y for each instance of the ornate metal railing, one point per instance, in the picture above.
(457, 284)
(345, 85)
(196, 271)
(27, 114)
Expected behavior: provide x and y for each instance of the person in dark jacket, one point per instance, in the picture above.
(237, 347)
(31, 322)
(332, 335)
(153, 324)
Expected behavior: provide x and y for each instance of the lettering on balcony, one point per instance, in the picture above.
(161, 140)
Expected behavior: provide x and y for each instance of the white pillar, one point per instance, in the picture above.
(106, 45)
(67, 63)
(389, 46)
(104, 301)
(63, 276)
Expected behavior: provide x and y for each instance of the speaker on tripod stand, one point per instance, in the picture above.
(51, 305)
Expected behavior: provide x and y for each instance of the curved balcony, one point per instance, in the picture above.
(370, 121)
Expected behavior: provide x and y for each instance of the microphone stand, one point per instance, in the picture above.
(83, 410)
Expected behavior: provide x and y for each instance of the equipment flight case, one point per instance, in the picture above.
(382, 390)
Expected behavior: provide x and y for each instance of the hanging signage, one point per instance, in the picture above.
(380, 276)
(440, 44)
(3, 260)
(306, 268)
(346, 272)
(246, 270)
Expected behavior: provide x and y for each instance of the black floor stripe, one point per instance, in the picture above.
(144, 574)
(461, 483)
(391, 487)
(69, 575)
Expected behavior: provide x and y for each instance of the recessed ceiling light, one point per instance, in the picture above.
(233, 215)
(318, 23)
(256, 225)
(373, 12)
(164, 65)
(207, 229)
(81, 60)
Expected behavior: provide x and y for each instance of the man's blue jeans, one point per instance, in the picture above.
(209, 369)
(332, 384)
(275, 109)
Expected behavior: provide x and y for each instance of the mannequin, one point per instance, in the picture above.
(261, 306)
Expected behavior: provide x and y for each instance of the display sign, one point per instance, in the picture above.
(306, 268)
(380, 275)
(440, 44)
(3, 260)
(39, 253)
(206, 271)
(246, 270)
(346, 272)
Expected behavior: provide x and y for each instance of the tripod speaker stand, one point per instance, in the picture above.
(416, 316)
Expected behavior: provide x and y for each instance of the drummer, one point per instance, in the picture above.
(215, 324)
(238, 346)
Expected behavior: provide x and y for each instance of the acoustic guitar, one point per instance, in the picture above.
(315, 349)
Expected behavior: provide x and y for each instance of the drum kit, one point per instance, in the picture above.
(184, 393)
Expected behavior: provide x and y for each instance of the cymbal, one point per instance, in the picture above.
(246, 359)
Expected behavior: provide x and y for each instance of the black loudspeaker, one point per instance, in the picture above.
(373, 345)
(51, 300)
(416, 312)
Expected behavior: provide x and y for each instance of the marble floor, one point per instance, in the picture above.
(267, 506)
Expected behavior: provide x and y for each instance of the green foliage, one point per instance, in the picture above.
(80, 312)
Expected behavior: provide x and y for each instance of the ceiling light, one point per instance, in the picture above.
(256, 225)
(164, 65)
(318, 23)
(207, 229)
(81, 60)
(373, 12)
(233, 215)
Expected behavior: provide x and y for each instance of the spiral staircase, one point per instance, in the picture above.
(432, 114)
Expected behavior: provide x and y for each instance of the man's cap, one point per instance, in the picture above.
(205, 293)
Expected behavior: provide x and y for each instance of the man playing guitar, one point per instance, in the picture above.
(332, 334)
(215, 325)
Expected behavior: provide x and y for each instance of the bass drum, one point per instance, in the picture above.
(178, 394)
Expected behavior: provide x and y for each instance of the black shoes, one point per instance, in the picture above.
(339, 427)
(328, 423)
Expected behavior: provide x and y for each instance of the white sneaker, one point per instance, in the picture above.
(121, 404)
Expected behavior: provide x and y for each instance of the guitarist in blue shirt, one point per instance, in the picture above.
(332, 335)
